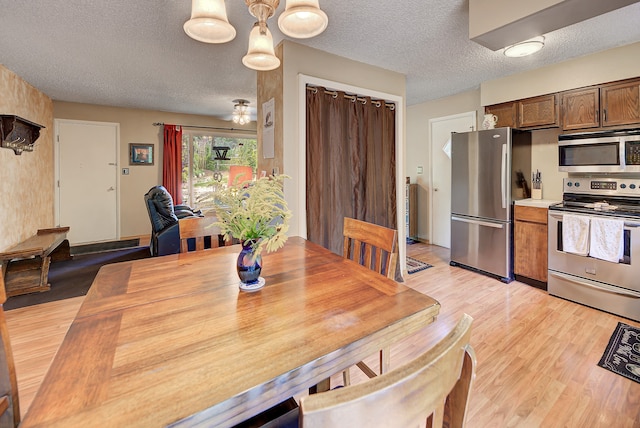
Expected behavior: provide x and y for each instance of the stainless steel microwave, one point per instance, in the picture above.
(609, 151)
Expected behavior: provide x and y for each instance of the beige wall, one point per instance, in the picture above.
(26, 181)
(136, 126)
(301, 60)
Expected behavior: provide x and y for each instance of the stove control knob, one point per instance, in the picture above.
(632, 186)
(577, 184)
(569, 184)
(623, 186)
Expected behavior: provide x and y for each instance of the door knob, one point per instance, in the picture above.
(435, 189)
(110, 189)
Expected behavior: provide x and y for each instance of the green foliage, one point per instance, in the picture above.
(256, 212)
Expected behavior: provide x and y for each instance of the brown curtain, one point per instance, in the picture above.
(172, 162)
(351, 164)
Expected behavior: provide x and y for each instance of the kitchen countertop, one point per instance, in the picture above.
(537, 203)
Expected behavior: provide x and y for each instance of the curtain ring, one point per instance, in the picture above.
(377, 103)
(335, 95)
(315, 90)
(392, 106)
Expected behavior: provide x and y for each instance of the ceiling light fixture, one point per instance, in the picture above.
(241, 112)
(301, 19)
(525, 48)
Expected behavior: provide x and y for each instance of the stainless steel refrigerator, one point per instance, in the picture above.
(489, 171)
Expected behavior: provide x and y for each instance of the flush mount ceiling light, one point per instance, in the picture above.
(241, 112)
(301, 19)
(525, 48)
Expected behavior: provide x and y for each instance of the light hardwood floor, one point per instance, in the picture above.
(537, 354)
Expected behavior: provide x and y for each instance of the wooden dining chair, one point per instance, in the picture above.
(9, 403)
(199, 228)
(371, 245)
(435, 387)
(376, 248)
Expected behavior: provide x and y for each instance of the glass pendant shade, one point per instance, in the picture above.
(260, 55)
(302, 19)
(525, 48)
(209, 22)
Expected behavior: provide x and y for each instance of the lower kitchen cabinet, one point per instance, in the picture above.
(530, 245)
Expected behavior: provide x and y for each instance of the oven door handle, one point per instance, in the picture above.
(626, 223)
(596, 285)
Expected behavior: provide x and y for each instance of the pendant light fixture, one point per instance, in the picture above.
(301, 19)
(209, 23)
(241, 112)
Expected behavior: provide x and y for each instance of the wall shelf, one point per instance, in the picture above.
(18, 134)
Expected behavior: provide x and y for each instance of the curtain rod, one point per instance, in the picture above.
(354, 98)
(207, 127)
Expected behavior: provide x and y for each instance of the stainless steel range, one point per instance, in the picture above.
(587, 277)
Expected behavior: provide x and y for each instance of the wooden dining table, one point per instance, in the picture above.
(172, 341)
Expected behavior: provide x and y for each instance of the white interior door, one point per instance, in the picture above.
(87, 180)
(440, 191)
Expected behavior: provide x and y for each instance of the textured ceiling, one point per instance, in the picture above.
(134, 53)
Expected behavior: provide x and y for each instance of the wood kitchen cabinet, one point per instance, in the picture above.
(507, 114)
(529, 113)
(611, 105)
(580, 109)
(620, 103)
(530, 245)
(538, 112)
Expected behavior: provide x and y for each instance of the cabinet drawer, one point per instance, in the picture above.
(531, 214)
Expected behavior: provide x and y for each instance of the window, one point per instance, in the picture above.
(206, 158)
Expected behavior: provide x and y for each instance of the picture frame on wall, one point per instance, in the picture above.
(141, 154)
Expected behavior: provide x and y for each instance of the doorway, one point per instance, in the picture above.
(440, 130)
(86, 194)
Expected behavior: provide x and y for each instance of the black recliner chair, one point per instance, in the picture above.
(165, 233)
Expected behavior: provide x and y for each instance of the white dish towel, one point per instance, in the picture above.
(607, 239)
(575, 234)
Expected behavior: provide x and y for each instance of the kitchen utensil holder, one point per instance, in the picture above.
(537, 193)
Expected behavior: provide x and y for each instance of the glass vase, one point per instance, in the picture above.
(249, 267)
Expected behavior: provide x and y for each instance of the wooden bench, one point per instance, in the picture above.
(25, 267)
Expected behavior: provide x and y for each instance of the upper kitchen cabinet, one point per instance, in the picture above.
(620, 103)
(530, 113)
(580, 109)
(611, 105)
(538, 112)
(507, 114)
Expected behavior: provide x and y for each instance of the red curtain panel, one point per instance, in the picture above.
(172, 162)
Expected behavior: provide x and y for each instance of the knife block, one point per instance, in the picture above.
(537, 193)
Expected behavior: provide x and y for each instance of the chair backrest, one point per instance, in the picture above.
(9, 403)
(373, 246)
(239, 174)
(432, 389)
(198, 228)
(160, 208)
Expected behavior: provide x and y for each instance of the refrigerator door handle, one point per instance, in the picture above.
(503, 176)
(479, 222)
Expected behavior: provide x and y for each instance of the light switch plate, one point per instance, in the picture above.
(419, 170)
(125, 171)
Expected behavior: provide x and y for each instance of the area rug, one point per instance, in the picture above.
(414, 265)
(622, 355)
(73, 278)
